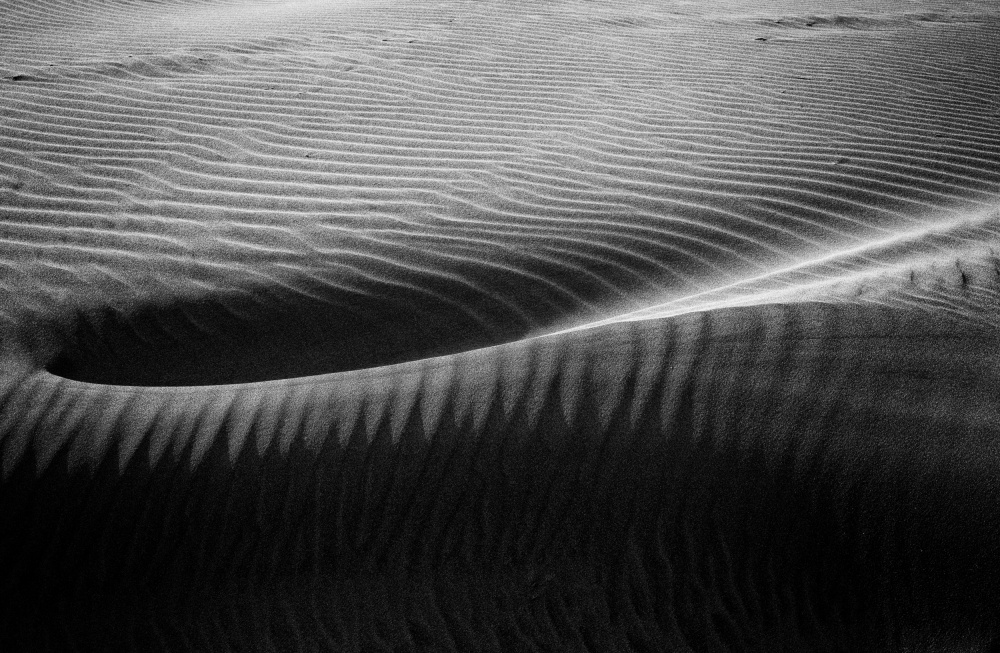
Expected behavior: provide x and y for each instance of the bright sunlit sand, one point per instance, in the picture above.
(500, 325)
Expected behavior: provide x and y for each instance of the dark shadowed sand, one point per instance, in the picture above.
(499, 325)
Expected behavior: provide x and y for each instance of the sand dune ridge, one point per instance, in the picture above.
(495, 325)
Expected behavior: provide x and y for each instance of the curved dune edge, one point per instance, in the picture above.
(607, 362)
(908, 264)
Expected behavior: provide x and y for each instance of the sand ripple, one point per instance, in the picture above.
(446, 251)
(167, 164)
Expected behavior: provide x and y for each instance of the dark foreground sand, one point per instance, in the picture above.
(482, 325)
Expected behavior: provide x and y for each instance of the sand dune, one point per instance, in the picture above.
(493, 325)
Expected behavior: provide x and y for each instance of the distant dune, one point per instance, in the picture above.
(500, 325)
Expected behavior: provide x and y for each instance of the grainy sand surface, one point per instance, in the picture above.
(493, 324)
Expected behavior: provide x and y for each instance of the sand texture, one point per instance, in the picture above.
(500, 325)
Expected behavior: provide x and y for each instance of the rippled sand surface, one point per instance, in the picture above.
(374, 322)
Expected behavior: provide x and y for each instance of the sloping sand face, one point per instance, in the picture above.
(499, 325)
(346, 186)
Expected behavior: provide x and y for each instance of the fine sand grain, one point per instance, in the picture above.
(500, 325)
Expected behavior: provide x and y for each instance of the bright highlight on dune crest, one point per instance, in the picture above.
(485, 326)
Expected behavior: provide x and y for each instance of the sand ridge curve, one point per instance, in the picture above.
(563, 170)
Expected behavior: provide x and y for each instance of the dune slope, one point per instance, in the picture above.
(350, 185)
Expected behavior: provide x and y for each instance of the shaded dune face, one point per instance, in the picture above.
(221, 340)
(762, 478)
(499, 326)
